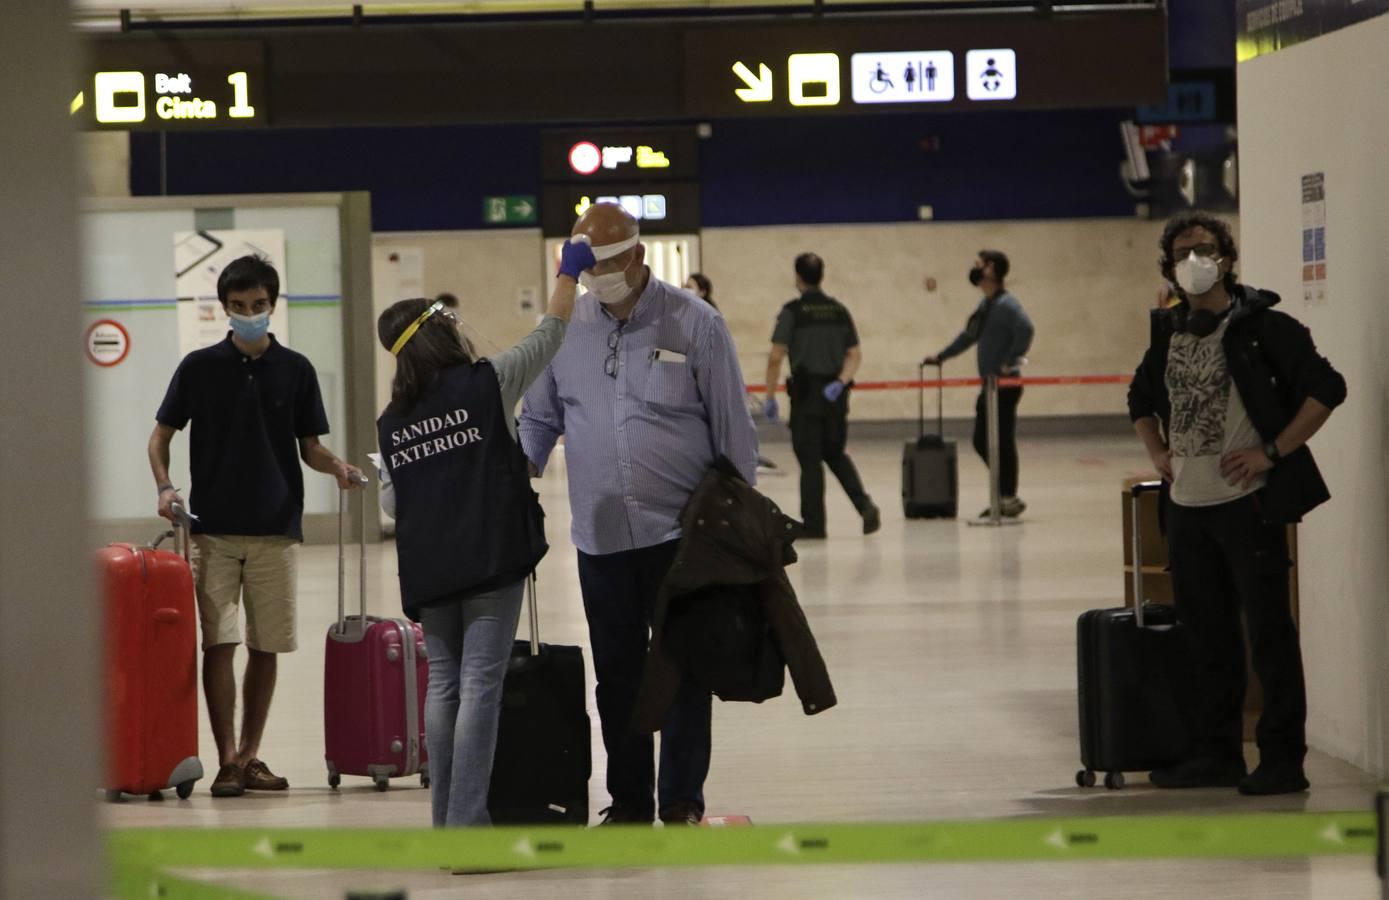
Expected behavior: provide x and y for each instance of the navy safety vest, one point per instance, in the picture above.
(467, 519)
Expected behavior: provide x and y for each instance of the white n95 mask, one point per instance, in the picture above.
(1197, 274)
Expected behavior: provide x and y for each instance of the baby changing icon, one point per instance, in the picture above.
(991, 74)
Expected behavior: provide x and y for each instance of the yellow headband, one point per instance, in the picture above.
(408, 333)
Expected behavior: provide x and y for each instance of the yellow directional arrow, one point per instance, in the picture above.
(76, 103)
(759, 86)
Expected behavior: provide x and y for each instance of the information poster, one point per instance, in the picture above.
(1314, 238)
(199, 258)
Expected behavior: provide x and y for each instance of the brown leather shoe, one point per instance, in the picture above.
(259, 778)
(230, 781)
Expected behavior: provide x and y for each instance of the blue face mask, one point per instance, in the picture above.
(250, 328)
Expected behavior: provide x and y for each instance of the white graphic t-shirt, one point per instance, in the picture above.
(1208, 420)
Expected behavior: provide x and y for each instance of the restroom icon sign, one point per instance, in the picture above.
(991, 74)
(918, 76)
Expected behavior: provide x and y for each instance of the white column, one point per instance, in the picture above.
(50, 744)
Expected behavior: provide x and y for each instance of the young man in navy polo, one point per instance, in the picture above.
(256, 410)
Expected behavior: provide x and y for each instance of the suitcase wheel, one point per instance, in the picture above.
(184, 789)
(424, 780)
(156, 795)
(383, 784)
(1085, 778)
(1114, 781)
(334, 779)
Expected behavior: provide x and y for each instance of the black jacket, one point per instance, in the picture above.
(1276, 368)
(726, 616)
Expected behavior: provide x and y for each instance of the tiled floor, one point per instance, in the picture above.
(952, 650)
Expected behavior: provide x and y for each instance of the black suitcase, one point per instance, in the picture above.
(1132, 667)
(930, 468)
(544, 758)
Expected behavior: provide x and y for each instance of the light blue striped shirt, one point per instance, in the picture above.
(637, 444)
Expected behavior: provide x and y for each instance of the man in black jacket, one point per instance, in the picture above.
(1225, 400)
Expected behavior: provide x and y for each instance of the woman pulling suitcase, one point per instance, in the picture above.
(468, 524)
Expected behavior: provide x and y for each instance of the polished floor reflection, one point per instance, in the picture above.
(953, 652)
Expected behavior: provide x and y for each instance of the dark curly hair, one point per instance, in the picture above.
(1184, 222)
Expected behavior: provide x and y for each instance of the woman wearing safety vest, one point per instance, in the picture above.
(469, 527)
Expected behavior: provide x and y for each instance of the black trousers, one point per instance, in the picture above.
(819, 438)
(619, 591)
(1225, 559)
(1008, 398)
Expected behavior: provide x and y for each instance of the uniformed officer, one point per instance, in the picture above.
(819, 335)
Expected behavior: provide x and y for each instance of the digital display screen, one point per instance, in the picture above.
(661, 207)
(958, 63)
(215, 85)
(619, 154)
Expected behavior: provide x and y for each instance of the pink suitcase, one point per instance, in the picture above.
(374, 679)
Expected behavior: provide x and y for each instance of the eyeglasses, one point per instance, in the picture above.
(1205, 251)
(610, 364)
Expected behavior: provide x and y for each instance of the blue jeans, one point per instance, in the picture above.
(469, 643)
(619, 595)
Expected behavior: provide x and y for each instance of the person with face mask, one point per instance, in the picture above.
(256, 412)
(1225, 400)
(818, 335)
(646, 392)
(1003, 332)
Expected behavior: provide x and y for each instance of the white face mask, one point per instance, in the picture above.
(608, 289)
(1197, 274)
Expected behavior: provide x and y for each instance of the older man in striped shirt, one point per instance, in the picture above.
(647, 392)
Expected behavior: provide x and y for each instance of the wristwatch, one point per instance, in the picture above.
(1271, 451)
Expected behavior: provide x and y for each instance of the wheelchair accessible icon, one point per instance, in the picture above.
(904, 77)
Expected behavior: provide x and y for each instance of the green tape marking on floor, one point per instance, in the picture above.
(1021, 840)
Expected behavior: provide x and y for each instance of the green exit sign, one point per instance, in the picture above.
(517, 209)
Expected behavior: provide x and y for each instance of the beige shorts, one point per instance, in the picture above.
(262, 570)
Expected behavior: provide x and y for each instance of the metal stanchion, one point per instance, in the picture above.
(995, 518)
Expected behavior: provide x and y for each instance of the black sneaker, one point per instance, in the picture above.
(1274, 777)
(872, 518)
(1205, 772)
(682, 814)
(616, 815)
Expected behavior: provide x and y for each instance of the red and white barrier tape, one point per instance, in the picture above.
(1038, 381)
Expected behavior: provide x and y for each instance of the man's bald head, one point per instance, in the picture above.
(606, 223)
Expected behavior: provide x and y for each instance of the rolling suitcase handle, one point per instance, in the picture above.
(921, 401)
(181, 533)
(1138, 490)
(342, 557)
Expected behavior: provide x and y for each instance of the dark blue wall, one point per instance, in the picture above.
(988, 166)
(1016, 165)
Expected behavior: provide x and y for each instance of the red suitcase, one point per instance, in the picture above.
(374, 680)
(152, 669)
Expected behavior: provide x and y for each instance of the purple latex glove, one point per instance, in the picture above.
(771, 410)
(576, 257)
(834, 390)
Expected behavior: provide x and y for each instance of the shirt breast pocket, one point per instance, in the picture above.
(671, 385)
